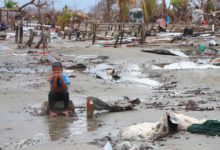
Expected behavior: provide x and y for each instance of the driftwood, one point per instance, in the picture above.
(94, 103)
(172, 52)
(158, 40)
(162, 52)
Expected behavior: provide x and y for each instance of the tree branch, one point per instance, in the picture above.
(31, 2)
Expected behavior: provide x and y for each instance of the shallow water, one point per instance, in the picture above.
(26, 70)
(34, 130)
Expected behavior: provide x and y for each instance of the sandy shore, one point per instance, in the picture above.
(24, 88)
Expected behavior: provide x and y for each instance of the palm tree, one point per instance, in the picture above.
(9, 4)
(164, 7)
(181, 9)
(64, 19)
(209, 6)
(149, 8)
(123, 12)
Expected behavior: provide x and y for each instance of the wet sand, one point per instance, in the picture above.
(24, 88)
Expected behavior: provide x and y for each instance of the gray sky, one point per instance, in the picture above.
(84, 5)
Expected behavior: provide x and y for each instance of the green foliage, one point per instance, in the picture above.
(149, 8)
(210, 6)
(176, 3)
(123, 5)
(145, 10)
(171, 13)
(180, 10)
(64, 19)
(10, 4)
(179, 3)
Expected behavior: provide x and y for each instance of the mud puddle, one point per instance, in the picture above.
(49, 129)
(4, 48)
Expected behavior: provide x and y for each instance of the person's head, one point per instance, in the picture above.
(57, 67)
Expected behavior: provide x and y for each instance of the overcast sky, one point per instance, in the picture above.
(84, 5)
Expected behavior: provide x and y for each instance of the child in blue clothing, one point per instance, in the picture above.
(59, 82)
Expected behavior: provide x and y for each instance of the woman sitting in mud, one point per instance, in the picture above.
(59, 82)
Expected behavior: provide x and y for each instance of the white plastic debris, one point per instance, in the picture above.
(177, 52)
(148, 130)
(144, 81)
(187, 65)
(107, 146)
(212, 43)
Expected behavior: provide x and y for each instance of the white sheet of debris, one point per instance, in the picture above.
(144, 81)
(187, 65)
(164, 34)
(148, 131)
(177, 52)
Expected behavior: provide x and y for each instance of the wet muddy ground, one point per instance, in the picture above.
(24, 87)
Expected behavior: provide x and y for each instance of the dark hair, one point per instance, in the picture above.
(57, 64)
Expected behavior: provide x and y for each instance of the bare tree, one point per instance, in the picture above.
(109, 8)
(19, 27)
(25, 5)
(41, 5)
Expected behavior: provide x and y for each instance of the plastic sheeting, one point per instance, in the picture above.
(210, 127)
(169, 123)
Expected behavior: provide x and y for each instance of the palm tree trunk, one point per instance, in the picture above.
(144, 7)
(122, 12)
(164, 8)
(109, 10)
